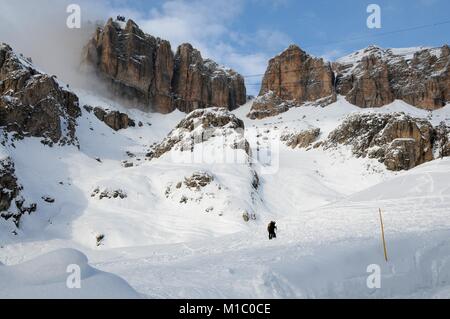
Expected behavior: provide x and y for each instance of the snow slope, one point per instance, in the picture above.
(46, 277)
(325, 203)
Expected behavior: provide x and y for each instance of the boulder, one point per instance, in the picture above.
(114, 119)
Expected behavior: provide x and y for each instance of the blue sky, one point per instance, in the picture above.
(244, 34)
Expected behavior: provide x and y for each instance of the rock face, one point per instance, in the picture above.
(114, 119)
(293, 78)
(375, 77)
(143, 69)
(138, 66)
(296, 76)
(372, 77)
(397, 140)
(33, 103)
(202, 83)
(12, 204)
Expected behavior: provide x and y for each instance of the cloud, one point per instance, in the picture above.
(38, 30)
(199, 22)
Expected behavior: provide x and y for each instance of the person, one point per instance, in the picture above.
(271, 229)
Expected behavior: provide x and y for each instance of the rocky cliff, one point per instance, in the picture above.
(138, 67)
(375, 77)
(142, 68)
(199, 83)
(295, 77)
(372, 77)
(33, 103)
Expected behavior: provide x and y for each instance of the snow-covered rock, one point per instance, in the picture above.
(397, 140)
(12, 205)
(201, 126)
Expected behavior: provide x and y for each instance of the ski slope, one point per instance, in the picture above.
(325, 203)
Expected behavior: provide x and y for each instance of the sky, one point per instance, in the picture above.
(245, 34)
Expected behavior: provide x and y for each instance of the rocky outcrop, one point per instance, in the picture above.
(201, 126)
(294, 78)
(114, 119)
(12, 204)
(34, 104)
(375, 77)
(442, 147)
(108, 194)
(142, 68)
(303, 139)
(397, 140)
(198, 180)
(202, 83)
(268, 105)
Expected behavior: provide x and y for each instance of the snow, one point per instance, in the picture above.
(3, 154)
(325, 203)
(352, 61)
(405, 53)
(46, 277)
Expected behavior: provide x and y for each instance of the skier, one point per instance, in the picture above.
(271, 229)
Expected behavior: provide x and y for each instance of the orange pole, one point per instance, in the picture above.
(382, 235)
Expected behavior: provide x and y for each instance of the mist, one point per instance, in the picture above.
(38, 29)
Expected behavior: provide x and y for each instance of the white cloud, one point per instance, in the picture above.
(38, 29)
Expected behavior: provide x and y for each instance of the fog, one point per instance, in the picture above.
(38, 29)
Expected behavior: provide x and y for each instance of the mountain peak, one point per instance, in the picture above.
(143, 69)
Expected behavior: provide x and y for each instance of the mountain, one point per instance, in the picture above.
(143, 69)
(177, 202)
(294, 77)
(372, 77)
